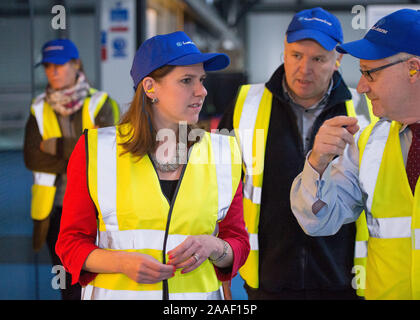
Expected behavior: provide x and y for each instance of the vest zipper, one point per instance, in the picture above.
(165, 288)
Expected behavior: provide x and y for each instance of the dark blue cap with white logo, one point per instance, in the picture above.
(175, 49)
(59, 51)
(394, 33)
(316, 24)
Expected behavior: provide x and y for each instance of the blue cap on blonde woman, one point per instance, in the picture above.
(174, 49)
(59, 51)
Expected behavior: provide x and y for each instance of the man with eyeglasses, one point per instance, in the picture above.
(276, 123)
(378, 170)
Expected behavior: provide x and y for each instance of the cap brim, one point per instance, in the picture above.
(364, 49)
(211, 61)
(325, 41)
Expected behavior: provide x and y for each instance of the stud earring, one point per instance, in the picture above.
(154, 100)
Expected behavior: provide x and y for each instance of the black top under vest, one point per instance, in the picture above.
(288, 258)
(168, 188)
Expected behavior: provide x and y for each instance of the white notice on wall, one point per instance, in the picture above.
(118, 46)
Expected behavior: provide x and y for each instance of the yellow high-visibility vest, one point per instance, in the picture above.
(392, 214)
(362, 233)
(43, 189)
(134, 215)
(251, 120)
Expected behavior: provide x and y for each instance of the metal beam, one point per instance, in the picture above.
(209, 17)
(140, 22)
(331, 6)
(274, 7)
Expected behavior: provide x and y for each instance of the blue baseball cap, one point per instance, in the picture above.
(175, 49)
(394, 33)
(316, 24)
(59, 51)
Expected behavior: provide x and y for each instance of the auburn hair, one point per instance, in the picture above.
(141, 138)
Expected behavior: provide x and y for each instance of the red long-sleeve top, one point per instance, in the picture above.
(78, 226)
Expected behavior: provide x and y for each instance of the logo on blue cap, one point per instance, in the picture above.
(316, 24)
(172, 49)
(315, 19)
(183, 43)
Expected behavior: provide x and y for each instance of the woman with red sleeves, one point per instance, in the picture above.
(149, 211)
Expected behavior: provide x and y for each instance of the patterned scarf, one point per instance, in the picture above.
(68, 101)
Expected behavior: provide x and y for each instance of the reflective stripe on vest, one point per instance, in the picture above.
(43, 190)
(92, 106)
(94, 293)
(365, 116)
(223, 164)
(392, 213)
(362, 234)
(107, 181)
(251, 120)
(138, 224)
(360, 249)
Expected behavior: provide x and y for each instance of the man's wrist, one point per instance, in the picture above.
(314, 163)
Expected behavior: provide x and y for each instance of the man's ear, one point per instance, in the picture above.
(338, 61)
(414, 68)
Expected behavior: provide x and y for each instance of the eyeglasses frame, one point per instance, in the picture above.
(368, 73)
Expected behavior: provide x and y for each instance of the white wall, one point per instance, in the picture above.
(265, 35)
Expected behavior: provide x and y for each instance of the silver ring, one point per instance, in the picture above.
(196, 256)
